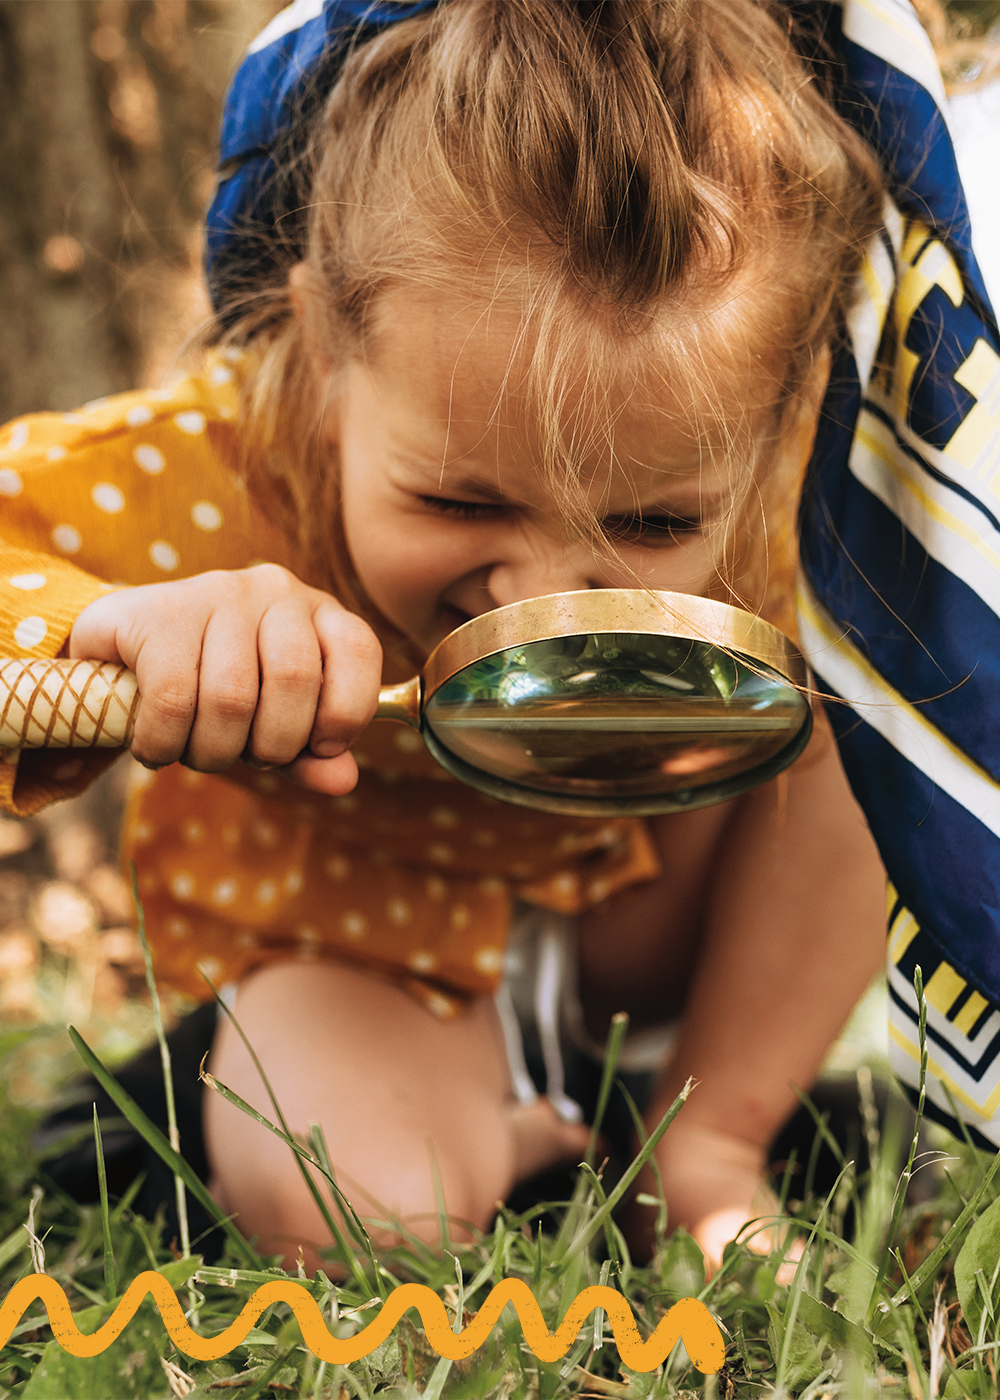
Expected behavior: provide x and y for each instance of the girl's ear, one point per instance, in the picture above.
(298, 278)
(301, 297)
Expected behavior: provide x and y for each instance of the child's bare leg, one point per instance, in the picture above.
(767, 925)
(388, 1082)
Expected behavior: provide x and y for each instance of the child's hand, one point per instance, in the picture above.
(715, 1230)
(248, 662)
(713, 1183)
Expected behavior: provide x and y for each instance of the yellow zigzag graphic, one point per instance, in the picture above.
(688, 1320)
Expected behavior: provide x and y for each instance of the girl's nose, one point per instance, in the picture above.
(547, 568)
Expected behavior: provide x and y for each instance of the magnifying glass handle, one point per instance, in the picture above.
(65, 704)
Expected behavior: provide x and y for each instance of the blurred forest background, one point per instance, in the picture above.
(108, 114)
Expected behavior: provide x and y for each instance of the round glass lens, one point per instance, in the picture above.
(615, 715)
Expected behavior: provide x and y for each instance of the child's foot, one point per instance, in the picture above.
(543, 1140)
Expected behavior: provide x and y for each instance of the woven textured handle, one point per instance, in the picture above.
(66, 704)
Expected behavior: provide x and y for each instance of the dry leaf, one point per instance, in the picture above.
(597, 1385)
(179, 1381)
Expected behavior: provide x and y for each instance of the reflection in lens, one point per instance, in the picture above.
(615, 715)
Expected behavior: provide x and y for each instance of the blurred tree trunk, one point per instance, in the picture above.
(108, 112)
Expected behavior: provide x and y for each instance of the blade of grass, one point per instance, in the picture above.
(229, 1278)
(158, 1142)
(110, 1286)
(904, 1180)
(314, 1191)
(821, 1120)
(617, 1032)
(231, 1096)
(317, 1143)
(434, 1387)
(13, 1245)
(940, 1251)
(660, 1229)
(173, 1133)
(578, 1206)
(439, 1201)
(596, 1221)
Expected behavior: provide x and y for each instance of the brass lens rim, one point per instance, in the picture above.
(596, 610)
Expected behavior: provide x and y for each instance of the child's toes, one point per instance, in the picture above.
(543, 1140)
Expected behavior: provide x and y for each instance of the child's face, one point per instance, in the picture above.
(445, 511)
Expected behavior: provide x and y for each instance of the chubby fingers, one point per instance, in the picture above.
(352, 673)
(247, 662)
(127, 626)
(349, 675)
(715, 1230)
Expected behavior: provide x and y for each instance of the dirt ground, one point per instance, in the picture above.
(69, 953)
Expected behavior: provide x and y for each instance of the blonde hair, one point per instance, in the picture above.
(611, 170)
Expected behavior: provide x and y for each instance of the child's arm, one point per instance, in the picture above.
(796, 931)
(243, 662)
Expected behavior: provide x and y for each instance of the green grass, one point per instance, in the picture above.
(907, 1305)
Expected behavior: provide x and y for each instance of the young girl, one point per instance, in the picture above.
(538, 296)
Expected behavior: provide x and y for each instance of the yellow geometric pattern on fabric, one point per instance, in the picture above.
(970, 1013)
(907, 481)
(943, 990)
(975, 444)
(986, 1110)
(934, 267)
(902, 932)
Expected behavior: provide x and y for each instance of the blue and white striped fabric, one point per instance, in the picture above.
(900, 581)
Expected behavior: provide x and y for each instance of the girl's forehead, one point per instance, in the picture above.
(468, 368)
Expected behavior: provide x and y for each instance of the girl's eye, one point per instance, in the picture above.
(461, 510)
(652, 530)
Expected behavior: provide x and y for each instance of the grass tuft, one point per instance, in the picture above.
(904, 1302)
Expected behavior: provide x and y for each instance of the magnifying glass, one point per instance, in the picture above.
(605, 702)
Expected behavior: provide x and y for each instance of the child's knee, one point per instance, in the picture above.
(394, 1194)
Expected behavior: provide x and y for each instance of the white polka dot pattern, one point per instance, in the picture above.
(415, 880)
(67, 538)
(190, 422)
(354, 924)
(149, 458)
(108, 497)
(164, 556)
(182, 886)
(30, 632)
(206, 516)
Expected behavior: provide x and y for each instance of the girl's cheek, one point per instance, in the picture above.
(687, 568)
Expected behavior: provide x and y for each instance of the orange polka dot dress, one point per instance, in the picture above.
(412, 875)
